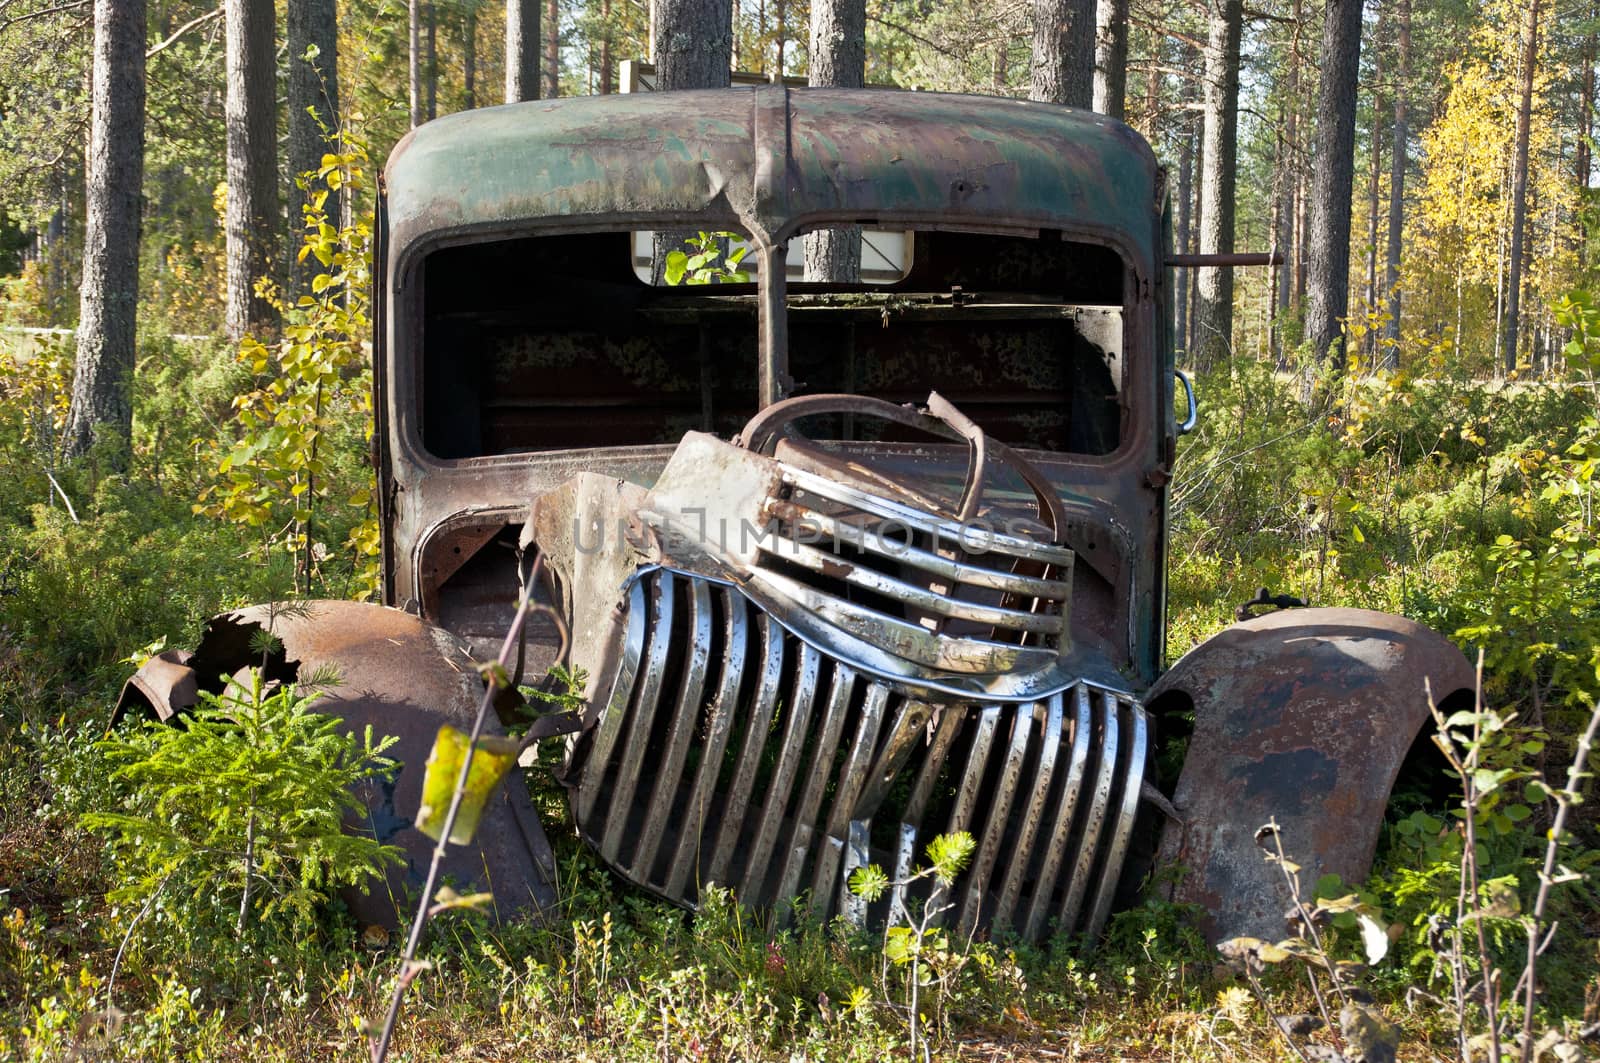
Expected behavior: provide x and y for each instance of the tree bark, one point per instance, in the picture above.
(1152, 91)
(1282, 240)
(693, 49)
(252, 219)
(1214, 310)
(469, 55)
(552, 50)
(693, 44)
(1182, 285)
(839, 59)
(414, 61)
(1583, 162)
(1295, 133)
(313, 88)
(1397, 189)
(605, 48)
(1111, 57)
(1062, 69)
(1333, 180)
(430, 69)
(1519, 186)
(102, 382)
(1369, 339)
(522, 50)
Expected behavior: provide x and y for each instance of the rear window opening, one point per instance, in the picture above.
(567, 342)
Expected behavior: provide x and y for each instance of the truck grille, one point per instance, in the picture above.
(731, 752)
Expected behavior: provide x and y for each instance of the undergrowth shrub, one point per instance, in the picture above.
(230, 825)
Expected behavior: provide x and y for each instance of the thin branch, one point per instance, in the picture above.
(75, 5)
(54, 483)
(408, 964)
(1564, 802)
(1266, 16)
(181, 30)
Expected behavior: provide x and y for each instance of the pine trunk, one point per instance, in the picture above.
(430, 93)
(693, 44)
(1152, 92)
(1180, 285)
(1519, 186)
(1183, 285)
(522, 50)
(838, 59)
(1282, 239)
(414, 61)
(605, 48)
(693, 49)
(252, 221)
(1062, 68)
(102, 382)
(1582, 163)
(469, 56)
(1111, 57)
(1291, 279)
(1369, 338)
(1397, 189)
(313, 88)
(1214, 308)
(552, 50)
(1333, 180)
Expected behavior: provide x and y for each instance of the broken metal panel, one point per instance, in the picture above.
(1304, 716)
(722, 512)
(402, 677)
(165, 684)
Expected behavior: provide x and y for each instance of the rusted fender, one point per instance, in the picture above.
(404, 677)
(1305, 716)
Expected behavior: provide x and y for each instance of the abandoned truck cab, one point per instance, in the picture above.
(849, 562)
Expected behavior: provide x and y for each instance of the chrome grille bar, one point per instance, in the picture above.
(844, 532)
(948, 530)
(721, 722)
(774, 767)
(806, 679)
(1055, 849)
(643, 713)
(916, 597)
(761, 710)
(681, 729)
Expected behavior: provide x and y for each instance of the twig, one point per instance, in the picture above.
(75, 5)
(408, 968)
(181, 30)
(54, 483)
(116, 964)
(1575, 772)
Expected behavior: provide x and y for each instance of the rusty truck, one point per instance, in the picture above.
(844, 563)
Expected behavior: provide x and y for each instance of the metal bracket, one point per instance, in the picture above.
(1265, 599)
(1186, 425)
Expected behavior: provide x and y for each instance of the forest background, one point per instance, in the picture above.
(1400, 416)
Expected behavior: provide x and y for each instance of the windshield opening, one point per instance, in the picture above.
(609, 339)
(1023, 334)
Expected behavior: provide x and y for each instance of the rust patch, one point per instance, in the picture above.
(1305, 716)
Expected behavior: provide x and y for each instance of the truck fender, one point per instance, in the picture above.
(1303, 716)
(403, 677)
